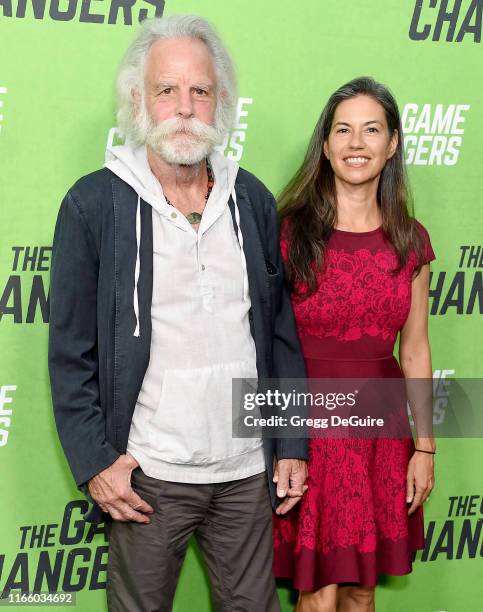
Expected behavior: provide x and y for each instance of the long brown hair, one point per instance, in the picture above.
(308, 204)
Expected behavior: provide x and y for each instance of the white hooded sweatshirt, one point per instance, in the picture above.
(182, 424)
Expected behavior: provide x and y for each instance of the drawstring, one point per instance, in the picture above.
(137, 331)
(242, 252)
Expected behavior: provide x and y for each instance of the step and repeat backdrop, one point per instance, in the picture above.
(58, 59)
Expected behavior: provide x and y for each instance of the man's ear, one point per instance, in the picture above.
(393, 143)
(136, 100)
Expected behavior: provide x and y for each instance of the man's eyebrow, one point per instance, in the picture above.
(167, 83)
(204, 84)
(161, 84)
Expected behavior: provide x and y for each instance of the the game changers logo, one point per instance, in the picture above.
(6, 401)
(459, 292)
(3, 91)
(450, 20)
(233, 143)
(24, 293)
(441, 386)
(232, 146)
(112, 12)
(433, 133)
(62, 556)
(460, 535)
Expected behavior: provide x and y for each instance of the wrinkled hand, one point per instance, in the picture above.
(111, 489)
(420, 480)
(290, 476)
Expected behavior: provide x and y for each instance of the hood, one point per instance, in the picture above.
(131, 165)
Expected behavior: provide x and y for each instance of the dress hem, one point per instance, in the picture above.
(310, 570)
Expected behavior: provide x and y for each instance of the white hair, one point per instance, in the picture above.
(130, 77)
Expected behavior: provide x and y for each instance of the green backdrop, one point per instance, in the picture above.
(57, 64)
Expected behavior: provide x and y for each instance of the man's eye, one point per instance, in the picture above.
(200, 92)
(372, 130)
(166, 91)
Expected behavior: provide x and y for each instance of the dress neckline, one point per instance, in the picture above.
(369, 233)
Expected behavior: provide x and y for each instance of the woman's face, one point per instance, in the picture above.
(359, 142)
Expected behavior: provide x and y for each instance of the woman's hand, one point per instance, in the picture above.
(420, 479)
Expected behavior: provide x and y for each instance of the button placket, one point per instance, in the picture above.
(201, 266)
(206, 282)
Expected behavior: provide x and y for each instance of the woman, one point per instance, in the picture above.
(358, 266)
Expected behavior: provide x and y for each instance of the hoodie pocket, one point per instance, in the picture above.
(193, 421)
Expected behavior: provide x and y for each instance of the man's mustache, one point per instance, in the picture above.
(193, 127)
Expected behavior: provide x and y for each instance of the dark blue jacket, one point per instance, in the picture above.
(96, 364)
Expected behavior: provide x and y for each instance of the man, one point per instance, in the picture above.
(167, 284)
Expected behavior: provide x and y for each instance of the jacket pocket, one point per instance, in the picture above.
(272, 270)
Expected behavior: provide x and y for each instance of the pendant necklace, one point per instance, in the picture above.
(195, 217)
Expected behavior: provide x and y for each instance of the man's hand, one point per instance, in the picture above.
(290, 475)
(111, 489)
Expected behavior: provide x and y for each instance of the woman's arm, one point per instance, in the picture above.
(415, 360)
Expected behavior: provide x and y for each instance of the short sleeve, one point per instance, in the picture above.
(426, 247)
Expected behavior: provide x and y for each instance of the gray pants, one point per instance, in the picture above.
(232, 523)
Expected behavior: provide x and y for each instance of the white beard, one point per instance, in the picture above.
(182, 150)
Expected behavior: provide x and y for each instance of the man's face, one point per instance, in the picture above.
(180, 100)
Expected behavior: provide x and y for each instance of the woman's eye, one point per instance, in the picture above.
(372, 130)
(342, 131)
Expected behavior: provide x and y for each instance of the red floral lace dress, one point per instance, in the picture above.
(352, 523)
